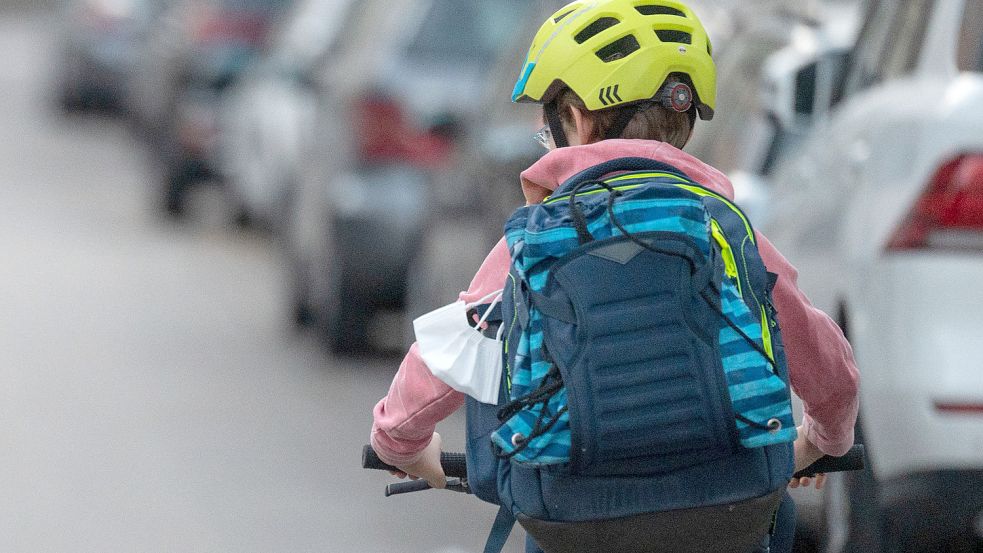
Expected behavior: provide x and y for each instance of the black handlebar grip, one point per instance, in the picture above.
(407, 487)
(455, 464)
(853, 460)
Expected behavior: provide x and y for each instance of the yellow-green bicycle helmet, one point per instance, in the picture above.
(615, 53)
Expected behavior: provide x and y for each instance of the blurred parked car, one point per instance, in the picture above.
(882, 212)
(474, 197)
(194, 52)
(394, 100)
(268, 117)
(98, 41)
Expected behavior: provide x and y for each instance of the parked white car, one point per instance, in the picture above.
(882, 212)
(268, 118)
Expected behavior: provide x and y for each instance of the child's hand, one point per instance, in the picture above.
(806, 453)
(806, 481)
(427, 466)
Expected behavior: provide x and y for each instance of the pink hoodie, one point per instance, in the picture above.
(820, 361)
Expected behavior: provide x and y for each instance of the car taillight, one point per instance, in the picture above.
(211, 26)
(949, 213)
(385, 135)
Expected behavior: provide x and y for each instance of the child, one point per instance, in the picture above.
(608, 95)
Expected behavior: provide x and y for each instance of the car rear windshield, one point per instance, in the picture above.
(471, 30)
(970, 56)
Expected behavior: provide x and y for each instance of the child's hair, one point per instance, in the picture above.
(653, 123)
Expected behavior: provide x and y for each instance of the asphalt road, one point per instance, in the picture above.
(152, 396)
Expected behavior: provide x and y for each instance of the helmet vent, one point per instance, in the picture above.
(619, 49)
(659, 10)
(595, 29)
(560, 17)
(674, 36)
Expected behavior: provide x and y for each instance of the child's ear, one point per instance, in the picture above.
(585, 127)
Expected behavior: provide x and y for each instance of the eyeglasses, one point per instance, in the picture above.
(544, 137)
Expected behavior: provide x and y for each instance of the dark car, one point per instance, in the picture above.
(98, 41)
(268, 117)
(196, 50)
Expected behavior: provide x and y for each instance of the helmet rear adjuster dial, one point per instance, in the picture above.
(676, 96)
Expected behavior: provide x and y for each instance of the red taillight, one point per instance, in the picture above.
(385, 135)
(959, 408)
(949, 214)
(211, 25)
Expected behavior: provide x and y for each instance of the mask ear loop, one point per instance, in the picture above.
(484, 318)
(486, 298)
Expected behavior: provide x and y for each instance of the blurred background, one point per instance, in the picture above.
(220, 217)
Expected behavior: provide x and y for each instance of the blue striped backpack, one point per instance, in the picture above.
(645, 391)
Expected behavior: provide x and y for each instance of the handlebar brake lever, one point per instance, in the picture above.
(459, 485)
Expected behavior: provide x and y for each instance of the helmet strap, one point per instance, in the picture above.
(556, 124)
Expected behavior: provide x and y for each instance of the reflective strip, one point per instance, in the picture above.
(730, 264)
(515, 317)
(632, 176)
(766, 334)
(520, 85)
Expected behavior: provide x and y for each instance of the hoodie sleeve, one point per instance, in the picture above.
(404, 420)
(821, 366)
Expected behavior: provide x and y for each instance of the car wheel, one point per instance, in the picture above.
(851, 515)
(348, 329)
(835, 513)
(851, 508)
(342, 317)
(303, 315)
(70, 101)
(177, 182)
(242, 219)
(341, 314)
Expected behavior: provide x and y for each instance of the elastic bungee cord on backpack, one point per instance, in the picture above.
(541, 395)
(553, 381)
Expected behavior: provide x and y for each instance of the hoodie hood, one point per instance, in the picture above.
(553, 169)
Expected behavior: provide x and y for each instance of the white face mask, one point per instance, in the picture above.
(458, 353)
